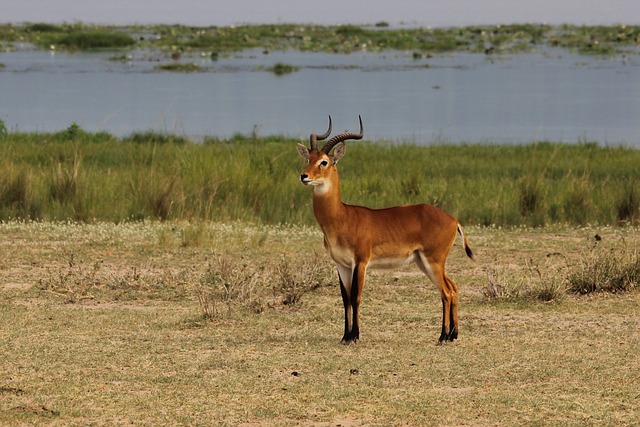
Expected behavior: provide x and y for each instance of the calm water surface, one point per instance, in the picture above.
(454, 98)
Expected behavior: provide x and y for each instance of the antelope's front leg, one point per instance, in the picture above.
(351, 297)
(356, 297)
(345, 276)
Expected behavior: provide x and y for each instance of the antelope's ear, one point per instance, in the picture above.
(338, 152)
(303, 151)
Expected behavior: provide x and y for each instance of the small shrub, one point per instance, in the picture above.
(294, 281)
(225, 282)
(540, 284)
(497, 287)
(545, 287)
(610, 271)
(3, 128)
(73, 131)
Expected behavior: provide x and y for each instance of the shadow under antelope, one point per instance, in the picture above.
(358, 238)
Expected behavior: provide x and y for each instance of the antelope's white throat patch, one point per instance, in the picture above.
(320, 187)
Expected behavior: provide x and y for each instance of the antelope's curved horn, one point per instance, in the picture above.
(342, 137)
(313, 138)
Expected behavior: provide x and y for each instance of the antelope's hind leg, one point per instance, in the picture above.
(453, 321)
(448, 294)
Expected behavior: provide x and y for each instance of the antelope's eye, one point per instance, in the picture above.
(324, 163)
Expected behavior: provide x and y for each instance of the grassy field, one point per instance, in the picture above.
(201, 323)
(80, 176)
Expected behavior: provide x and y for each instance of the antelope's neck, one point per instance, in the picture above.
(327, 205)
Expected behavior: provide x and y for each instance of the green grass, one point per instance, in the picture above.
(88, 177)
(105, 324)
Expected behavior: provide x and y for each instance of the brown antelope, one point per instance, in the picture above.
(358, 238)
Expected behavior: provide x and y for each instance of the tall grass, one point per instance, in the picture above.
(83, 176)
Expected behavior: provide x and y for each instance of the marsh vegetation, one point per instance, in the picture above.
(344, 38)
(87, 177)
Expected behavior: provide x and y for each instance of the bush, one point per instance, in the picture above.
(610, 271)
(544, 284)
(230, 282)
(226, 282)
(3, 130)
(293, 281)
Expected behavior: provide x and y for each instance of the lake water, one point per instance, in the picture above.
(545, 96)
(551, 95)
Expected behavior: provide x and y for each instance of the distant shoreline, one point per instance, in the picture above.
(175, 39)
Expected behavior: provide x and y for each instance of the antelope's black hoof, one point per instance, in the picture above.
(448, 337)
(351, 337)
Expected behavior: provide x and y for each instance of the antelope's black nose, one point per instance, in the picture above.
(303, 177)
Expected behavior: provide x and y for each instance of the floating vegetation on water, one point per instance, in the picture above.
(91, 40)
(489, 39)
(280, 69)
(182, 67)
(121, 58)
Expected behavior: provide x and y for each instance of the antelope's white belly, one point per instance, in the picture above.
(345, 256)
(389, 263)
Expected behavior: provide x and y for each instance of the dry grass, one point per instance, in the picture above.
(105, 325)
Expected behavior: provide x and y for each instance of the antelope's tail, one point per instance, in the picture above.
(465, 243)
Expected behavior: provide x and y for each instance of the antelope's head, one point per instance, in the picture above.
(322, 163)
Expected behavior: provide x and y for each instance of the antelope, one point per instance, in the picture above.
(358, 238)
